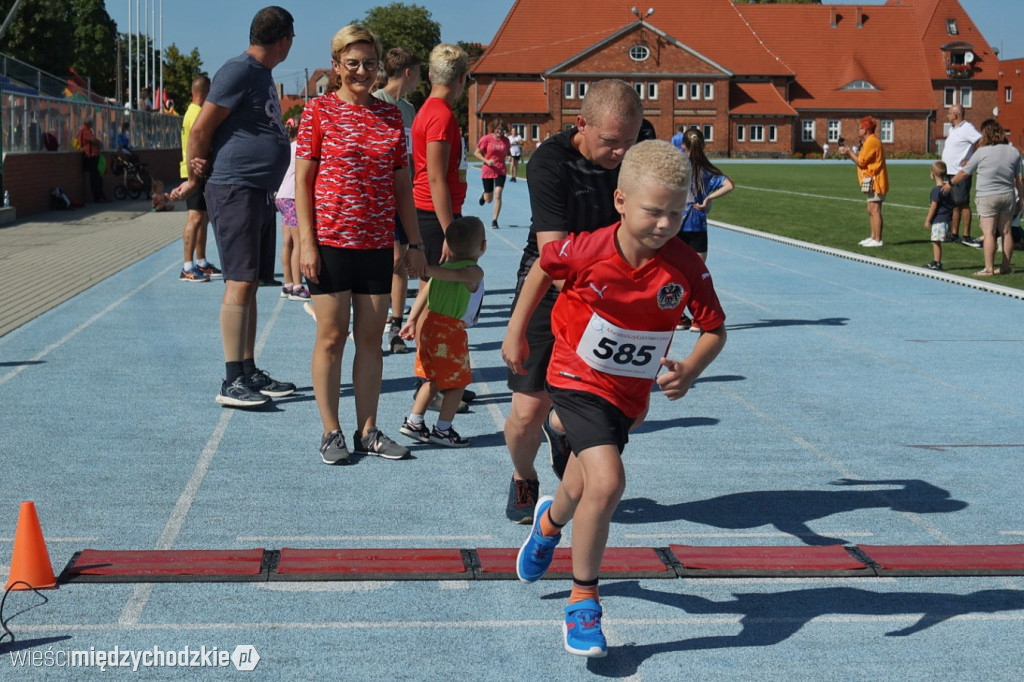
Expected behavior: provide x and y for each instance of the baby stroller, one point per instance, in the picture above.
(135, 179)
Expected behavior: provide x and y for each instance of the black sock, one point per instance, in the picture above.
(233, 370)
(585, 583)
(248, 367)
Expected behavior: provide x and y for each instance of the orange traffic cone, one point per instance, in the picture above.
(30, 562)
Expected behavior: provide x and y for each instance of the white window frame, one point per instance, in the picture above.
(518, 129)
(835, 130)
(949, 96)
(639, 87)
(966, 97)
(681, 88)
(639, 53)
(535, 131)
(887, 130)
(1008, 92)
(773, 133)
(709, 91)
(807, 130)
(756, 132)
(569, 90)
(581, 89)
(652, 91)
(741, 133)
(709, 132)
(694, 91)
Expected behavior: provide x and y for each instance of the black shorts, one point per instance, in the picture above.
(197, 200)
(590, 420)
(491, 183)
(698, 241)
(245, 227)
(961, 191)
(432, 235)
(540, 341)
(361, 271)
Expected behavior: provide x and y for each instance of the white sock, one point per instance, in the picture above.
(415, 419)
(202, 263)
(187, 266)
(442, 426)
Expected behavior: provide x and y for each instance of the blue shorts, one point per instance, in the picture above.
(245, 227)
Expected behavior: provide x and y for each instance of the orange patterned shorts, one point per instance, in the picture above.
(442, 351)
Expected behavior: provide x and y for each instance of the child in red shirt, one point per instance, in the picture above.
(626, 286)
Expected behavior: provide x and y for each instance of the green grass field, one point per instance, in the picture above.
(821, 203)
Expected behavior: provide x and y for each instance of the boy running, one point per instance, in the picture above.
(625, 288)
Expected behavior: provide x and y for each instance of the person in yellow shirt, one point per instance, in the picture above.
(196, 269)
(872, 176)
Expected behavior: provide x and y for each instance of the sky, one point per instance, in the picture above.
(220, 28)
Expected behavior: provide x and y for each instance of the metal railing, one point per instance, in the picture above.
(35, 123)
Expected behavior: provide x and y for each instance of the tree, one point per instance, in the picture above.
(40, 34)
(408, 26)
(94, 53)
(461, 105)
(179, 72)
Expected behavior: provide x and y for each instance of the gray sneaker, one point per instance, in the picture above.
(378, 445)
(240, 393)
(262, 382)
(332, 448)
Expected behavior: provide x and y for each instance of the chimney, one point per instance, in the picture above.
(833, 17)
(860, 17)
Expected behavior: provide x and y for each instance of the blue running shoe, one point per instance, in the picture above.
(536, 553)
(582, 629)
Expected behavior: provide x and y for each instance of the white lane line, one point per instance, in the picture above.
(669, 536)
(827, 197)
(362, 538)
(136, 603)
(326, 586)
(82, 327)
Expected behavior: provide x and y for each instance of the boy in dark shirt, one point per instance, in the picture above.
(940, 214)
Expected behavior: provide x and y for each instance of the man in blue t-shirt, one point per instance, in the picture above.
(239, 145)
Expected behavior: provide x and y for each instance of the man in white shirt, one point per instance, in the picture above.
(961, 142)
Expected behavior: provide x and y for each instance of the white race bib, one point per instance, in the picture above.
(624, 352)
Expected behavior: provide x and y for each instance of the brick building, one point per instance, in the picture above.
(759, 80)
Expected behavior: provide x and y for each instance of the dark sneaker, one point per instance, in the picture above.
(971, 242)
(262, 382)
(537, 552)
(953, 238)
(582, 629)
(286, 291)
(240, 393)
(449, 438)
(210, 270)
(298, 293)
(396, 344)
(684, 323)
(420, 433)
(559, 444)
(378, 445)
(332, 448)
(494, 225)
(522, 498)
(934, 265)
(193, 275)
(468, 396)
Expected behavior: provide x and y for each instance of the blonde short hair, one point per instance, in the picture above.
(350, 35)
(447, 64)
(654, 162)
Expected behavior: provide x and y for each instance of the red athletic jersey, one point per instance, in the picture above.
(358, 149)
(435, 122)
(612, 323)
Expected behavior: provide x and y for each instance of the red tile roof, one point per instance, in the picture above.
(514, 97)
(763, 99)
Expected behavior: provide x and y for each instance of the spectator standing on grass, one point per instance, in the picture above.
(402, 76)
(195, 267)
(350, 178)
(872, 176)
(572, 180)
(239, 145)
(998, 194)
(960, 144)
(940, 214)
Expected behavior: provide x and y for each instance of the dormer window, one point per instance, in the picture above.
(859, 84)
(951, 28)
(639, 53)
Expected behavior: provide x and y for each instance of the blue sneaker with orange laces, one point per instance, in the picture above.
(582, 629)
(537, 552)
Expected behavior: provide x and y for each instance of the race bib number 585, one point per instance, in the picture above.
(624, 352)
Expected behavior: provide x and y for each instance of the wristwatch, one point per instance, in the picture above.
(418, 247)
